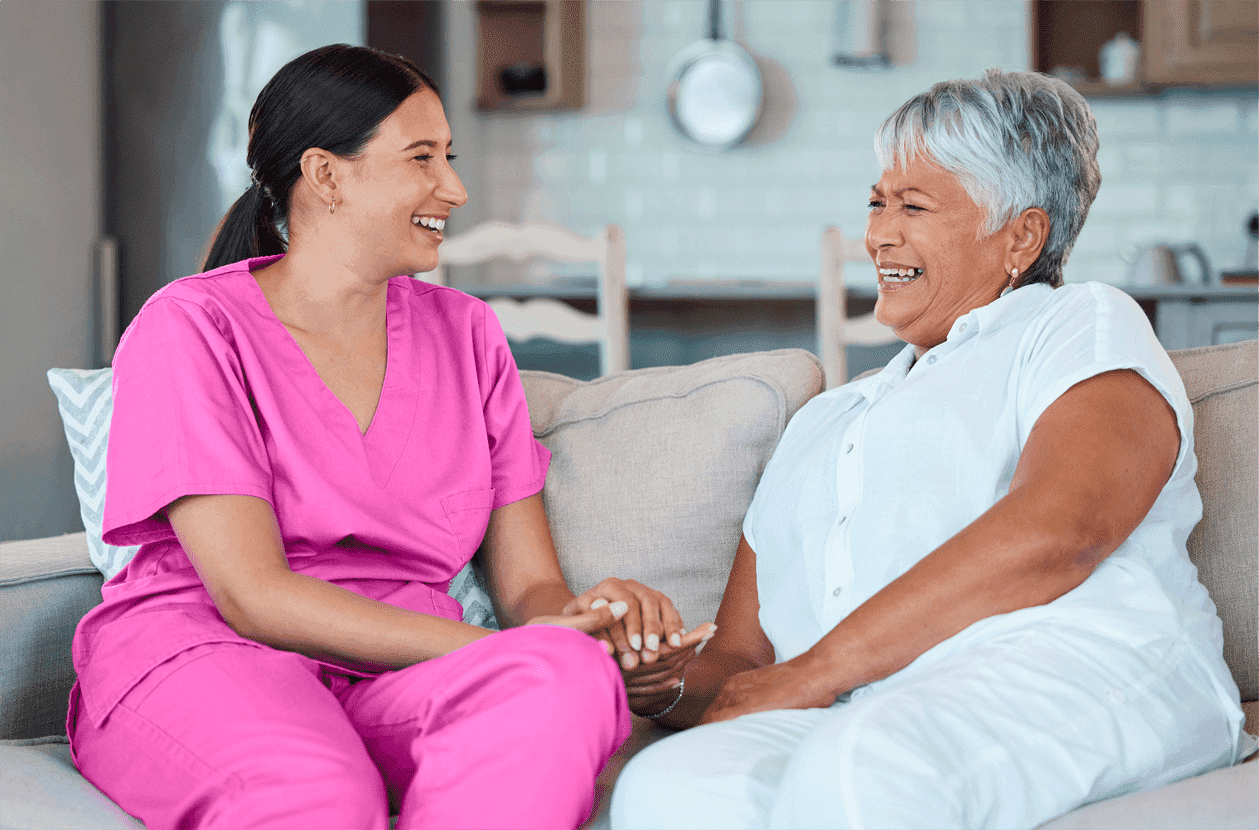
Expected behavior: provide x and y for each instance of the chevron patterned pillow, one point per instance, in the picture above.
(85, 398)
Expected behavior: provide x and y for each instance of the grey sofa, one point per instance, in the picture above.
(652, 470)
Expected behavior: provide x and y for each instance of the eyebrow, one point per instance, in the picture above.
(424, 142)
(902, 191)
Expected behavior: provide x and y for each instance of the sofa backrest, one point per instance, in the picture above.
(1223, 386)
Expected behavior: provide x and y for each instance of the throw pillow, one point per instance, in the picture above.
(85, 399)
(653, 469)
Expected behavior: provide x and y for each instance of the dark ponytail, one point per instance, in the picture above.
(334, 98)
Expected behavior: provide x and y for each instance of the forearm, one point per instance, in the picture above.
(1017, 555)
(299, 613)
(541, 600)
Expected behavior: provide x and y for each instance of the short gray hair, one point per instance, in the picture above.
(1014, 140)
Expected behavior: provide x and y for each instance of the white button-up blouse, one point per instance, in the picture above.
(872, 476)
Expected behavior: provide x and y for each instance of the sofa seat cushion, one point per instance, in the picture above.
(653, 469)
(53, 794)
(1220, 800)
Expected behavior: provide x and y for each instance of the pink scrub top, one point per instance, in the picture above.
(213, 396)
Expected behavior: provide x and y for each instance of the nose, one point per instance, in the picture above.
(450, 188)
(882, 231)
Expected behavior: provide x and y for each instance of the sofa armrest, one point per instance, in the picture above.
(46, 586)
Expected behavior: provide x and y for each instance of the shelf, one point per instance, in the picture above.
(1184, 43)
(531, 55)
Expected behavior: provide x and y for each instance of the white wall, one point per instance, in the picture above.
(1175, 168)
(49, 167)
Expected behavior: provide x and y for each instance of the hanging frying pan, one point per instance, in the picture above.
(715, 91)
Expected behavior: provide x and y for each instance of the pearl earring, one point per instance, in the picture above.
(1009, 286)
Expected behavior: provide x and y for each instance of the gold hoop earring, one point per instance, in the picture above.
(332, 208)
(1009, 286)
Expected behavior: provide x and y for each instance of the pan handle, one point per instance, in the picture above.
(714, 19)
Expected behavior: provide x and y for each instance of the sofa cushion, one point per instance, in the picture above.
(86, 402)
(40, 788)
(652, 469)
(1220, 800)
(1223, 386)
(46, 586)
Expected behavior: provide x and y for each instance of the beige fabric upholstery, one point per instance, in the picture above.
(1223, 385)
(653, 469)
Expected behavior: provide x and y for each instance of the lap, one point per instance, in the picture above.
(1013, 731)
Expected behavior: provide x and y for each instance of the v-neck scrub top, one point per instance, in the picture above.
(871, 477)
(212, 395)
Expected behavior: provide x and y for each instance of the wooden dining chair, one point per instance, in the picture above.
(545, 316)
(835, 329)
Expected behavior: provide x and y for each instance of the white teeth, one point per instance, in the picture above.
(430, 222)
(900, 274)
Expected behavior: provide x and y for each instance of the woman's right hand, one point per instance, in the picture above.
(650, 628)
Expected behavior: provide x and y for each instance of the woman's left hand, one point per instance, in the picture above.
(795, 684)
(650, 624)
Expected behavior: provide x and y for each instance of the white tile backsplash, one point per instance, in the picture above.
(1178, 167)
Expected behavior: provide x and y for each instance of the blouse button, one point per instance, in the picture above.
(836, 592)
(931, 359)
(848, 448)
(962, 327)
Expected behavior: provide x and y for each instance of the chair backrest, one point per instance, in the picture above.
(834, 328)
(545, 316)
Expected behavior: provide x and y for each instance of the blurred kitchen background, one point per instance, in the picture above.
(123, 140)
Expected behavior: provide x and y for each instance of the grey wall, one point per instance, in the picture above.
(179, 77)
(49, 170)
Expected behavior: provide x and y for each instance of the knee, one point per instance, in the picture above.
(572, 664)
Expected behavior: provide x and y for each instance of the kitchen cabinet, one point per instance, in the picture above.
(531, 55)
(1202, 43)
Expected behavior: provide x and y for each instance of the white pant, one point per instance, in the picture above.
(1009, 733)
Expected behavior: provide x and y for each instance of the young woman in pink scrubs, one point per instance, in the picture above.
(308, 448)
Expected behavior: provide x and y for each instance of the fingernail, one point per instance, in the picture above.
(653, 642)
(599, 603)
(636, 642)
(701, 645)
(627, 660)
(676, 641)
(618, 608)
(675, 685)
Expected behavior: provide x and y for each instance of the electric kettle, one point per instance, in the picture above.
(1160, 265)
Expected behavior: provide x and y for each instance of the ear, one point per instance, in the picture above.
(320, 172)
(1029, 231)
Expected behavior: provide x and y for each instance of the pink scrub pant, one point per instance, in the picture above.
(510, 731)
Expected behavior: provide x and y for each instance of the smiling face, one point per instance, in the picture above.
(924, 233)
(401, 188)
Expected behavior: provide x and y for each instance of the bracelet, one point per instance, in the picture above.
(666, 710)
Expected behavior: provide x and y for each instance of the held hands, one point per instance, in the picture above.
(649, 641)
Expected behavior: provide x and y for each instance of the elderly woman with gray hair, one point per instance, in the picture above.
(962, 597)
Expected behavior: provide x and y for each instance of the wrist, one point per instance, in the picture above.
(679, 690)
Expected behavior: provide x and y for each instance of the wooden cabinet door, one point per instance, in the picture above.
(1201, 41)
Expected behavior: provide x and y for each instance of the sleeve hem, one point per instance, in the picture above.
(137, 526)
(1062, 385)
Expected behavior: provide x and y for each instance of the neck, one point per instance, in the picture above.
(316, 291)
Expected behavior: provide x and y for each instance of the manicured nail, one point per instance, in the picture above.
(675, 685)
(676, 641)
(653, 642)
(636, 642)
(619, 608)
(599, 603)
(628, 661)
(701, 645)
